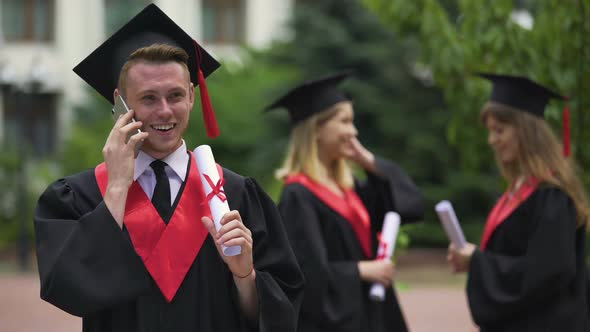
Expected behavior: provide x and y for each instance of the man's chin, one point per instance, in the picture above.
(160, 150)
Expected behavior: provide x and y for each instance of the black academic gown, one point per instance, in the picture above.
(89, 268)
(328, 250)
(532, 275)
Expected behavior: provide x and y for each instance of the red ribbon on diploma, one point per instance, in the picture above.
(216, 189)
(382, 250)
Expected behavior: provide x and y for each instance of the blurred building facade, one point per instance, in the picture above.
(42, 40)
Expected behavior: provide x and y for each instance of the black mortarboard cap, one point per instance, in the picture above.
(312, 97)
(521, 93)
(151, 26)
(526, 95)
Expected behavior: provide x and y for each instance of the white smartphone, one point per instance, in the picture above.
(119, 109)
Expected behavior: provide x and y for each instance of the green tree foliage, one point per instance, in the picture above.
(474, 36)
(9, 163)
(92, 124)
(23, 183)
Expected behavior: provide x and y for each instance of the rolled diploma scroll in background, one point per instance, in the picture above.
(206, 165)
(386, 248)
(448, 218)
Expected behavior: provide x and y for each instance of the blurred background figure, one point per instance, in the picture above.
(332, 219)
(529, 272)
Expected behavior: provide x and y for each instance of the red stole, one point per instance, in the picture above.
(350, 207)
(168, 251)
(505, 206)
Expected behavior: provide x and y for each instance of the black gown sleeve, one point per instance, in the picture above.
(501, 286)
(86, 262)
(279, 281)
(390, 189)
(333, 292)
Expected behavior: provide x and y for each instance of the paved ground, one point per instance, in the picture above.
(21, 310)
(432, 299)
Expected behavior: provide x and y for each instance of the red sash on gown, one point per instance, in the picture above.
(350, 207)
(168, 251)
(505, 206)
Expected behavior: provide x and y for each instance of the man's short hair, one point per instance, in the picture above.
(155, 53)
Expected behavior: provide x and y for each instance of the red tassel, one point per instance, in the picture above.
(208, 114)
(566, 131)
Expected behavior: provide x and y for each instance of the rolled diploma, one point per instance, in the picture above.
(386, 248)
(206, 165)
(450, 223)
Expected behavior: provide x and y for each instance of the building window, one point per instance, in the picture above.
(35, 115)
(223, 21)
(119, 12)
(27, 20)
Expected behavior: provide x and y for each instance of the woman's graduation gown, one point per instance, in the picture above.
(89, 268)
(531, 276)
(328, 251)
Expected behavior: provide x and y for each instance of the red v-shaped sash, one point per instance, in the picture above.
(350, 207)
(505, 206)
(167, 251)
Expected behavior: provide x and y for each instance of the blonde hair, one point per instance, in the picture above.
(155, 53)
(302, 152)
(539, 155)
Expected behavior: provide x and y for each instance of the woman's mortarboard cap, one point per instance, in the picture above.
(521, 93)
(528, 96)
(312, 97)
(151, 26)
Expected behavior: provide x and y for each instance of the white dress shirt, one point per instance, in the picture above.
(176, 170)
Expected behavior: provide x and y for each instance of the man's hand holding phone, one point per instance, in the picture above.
(120, 148)
(119, 154)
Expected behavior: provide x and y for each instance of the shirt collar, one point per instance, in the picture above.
(177, 160)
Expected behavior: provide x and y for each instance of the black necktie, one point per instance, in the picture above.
(161, 197)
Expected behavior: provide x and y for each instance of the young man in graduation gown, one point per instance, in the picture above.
(332, 219)
(130, 245)
(529, 273)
